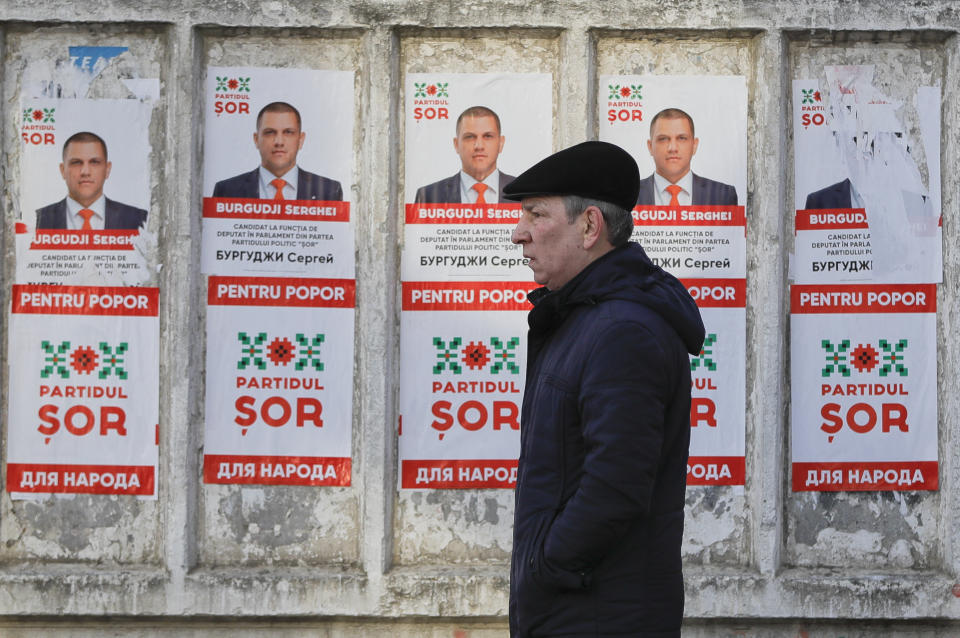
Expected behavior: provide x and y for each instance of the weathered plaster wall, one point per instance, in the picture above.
(208, 560)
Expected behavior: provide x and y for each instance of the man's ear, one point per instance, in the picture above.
(594, 227)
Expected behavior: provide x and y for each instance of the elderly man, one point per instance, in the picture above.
(605, 424)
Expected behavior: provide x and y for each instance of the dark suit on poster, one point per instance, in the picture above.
(834, 196)
(117, 216)
(309, 186)
(447, 191)
(706, 192)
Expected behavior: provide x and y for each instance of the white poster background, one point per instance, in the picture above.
(717, 416)
(848, 129)
(716, 103)
(814, 435)
(27, 445)
(227, 382)
(427, 433)
(522, 101)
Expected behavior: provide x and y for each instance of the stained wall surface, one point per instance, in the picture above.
(369, 560)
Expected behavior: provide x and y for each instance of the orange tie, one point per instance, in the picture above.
(279, 184)
(674, 190)
(480, 187)
(86, 213)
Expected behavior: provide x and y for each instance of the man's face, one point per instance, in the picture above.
(85, 168)
(278, 139)
(554, 247)
(478, 143)
(672, 146)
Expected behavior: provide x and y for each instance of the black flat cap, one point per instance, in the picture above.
(595, 170)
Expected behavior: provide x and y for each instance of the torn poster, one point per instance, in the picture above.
(867, 183)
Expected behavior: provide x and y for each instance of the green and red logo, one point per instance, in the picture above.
(495, 356)
(237, 84)
(66, 359)
(887, 358)
(431, 89)
(809, 96)
(625, 92)
(257, 349)
(39, 115)
(704, 358)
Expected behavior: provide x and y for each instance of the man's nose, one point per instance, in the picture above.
(519, 234)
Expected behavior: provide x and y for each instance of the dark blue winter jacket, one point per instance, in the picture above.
(604, 434)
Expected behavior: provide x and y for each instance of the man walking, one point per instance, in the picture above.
(605, 424)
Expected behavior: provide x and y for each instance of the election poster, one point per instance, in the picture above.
(85, 193)
(464, 283)
(690, 219)
(864, 387)
(462, 365)
(278, 246)
(279, 381)
(278, 164)
(867, 180)
(83, 415)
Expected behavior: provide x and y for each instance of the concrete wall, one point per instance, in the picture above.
(210, 560)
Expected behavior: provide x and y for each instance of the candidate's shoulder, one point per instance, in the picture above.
(313, 186)
(238, 185)
(52, 216)
(710, 192)
(833, 196)
(120, 216)
(444, 191)
(645, 193)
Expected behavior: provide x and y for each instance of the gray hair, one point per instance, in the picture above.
(618, 220)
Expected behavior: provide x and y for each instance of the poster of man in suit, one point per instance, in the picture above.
(479, 142)
(279, 138)
(85, 169)
(278, 158)
(684, 131)
(466, 135)
(85, 166)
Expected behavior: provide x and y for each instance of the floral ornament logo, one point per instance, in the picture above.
(425, 89)
(233, 84)
(280, 351)
(809, 96)
(496, 355)
(39, 115)
(631, 92)
(705, 357)
(836, 358)
(256, 350)
(63, 360)
(864, 358)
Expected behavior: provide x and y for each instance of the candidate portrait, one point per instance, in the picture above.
(478, 142)
(85, 168)
(672, 144)
(279, 138)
